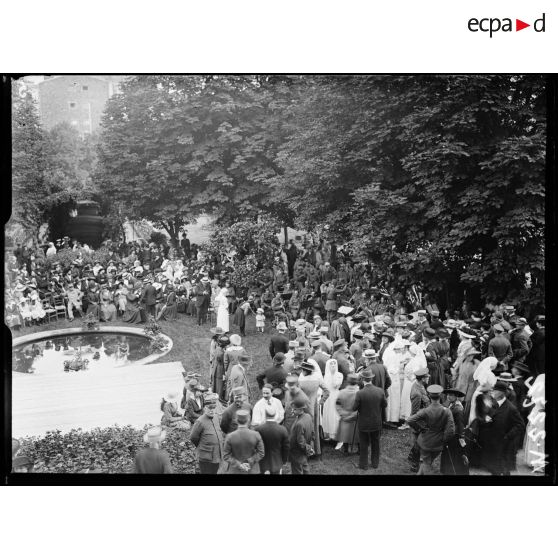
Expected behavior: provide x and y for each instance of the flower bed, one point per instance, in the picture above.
(103, 450)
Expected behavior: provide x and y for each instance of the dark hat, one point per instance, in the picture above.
(429, 333)
(316, 343)
(307, 366)
(244, 359)
(521, 321)
(299, 354)
(435, 389)
(366, 374)
(500, 386)
(521, 367)
(352, 378)
(507, 377)
(339, 343)
(279, 357)
(388, 333)
(540, 318)
(443, 333)
(455, 392)
(299, 403)
(421, 372)
(467, 332)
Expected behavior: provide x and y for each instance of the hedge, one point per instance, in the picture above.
(103, 450)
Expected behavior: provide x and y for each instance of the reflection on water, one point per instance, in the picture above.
(101, 350)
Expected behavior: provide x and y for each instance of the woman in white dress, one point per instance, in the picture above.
(484, 378)
(534, 439)
(416, 362)
(222, 307)
(330, 417)
(393, 361)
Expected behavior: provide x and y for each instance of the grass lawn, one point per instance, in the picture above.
(191, 348)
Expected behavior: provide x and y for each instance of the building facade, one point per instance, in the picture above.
(77, 99)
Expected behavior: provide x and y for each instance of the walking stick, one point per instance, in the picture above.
(354, 431)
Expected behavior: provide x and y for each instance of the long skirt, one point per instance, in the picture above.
(223, 318)
(168, 312)
(405, 410)
(330, 416)
(393, 410)
(347, 432)
(452, 462)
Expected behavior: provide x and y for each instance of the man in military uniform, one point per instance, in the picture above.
(435, 427)
(300, 439)
(229, 418)
(419, 400)
(244, 448)
(293, 395)
(453, 461)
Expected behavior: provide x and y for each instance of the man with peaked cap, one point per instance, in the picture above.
(237, 376)
(419, 400)
(326, 341)
(369, 404)
(279, 343)
(500, 348)
(453, 460)
(300, 439)
(276, 443)
(318, 354)
(207, 436)
(228, 418)
(435, 428)
(243, 448)
(505, 434)
(292, 395)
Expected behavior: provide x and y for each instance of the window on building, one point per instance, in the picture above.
(85, 87)
(72, 105)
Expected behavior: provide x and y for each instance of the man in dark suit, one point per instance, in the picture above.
(369, 402)
(149, 297)
(229, 419)
(520, 341)
(276, 443)
(202, 291)
(279, 342)
(300, 440)
(244, 448)
(536, 358)
(275, 375)
(500, 348)
(504, 435)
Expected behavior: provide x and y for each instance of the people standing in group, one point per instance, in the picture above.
(243, 448)
(276, 442)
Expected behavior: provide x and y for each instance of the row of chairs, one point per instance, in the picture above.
(55, 308)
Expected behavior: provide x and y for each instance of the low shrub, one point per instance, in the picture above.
(103, 450)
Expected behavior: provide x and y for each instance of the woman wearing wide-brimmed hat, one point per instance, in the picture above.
(171, 416)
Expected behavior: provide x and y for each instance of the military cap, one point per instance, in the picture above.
(366, 374)
(299, 403)
(500, 386)
(455, 392)
(210, 399)
(293, 344)
(316, 343)
(239, 390)
(299, 354)
(498, 327)
(279, 357)
(292, 379)
(434, 389)
(339, 343)
(429, 333)
(421, 372)
(315, 335)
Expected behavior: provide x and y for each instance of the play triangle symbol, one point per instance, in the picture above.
(519, 25)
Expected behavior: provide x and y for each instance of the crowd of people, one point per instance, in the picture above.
(349, 358)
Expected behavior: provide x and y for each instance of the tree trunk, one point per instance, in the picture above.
(286, 233)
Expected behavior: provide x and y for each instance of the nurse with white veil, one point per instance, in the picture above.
(222, 307)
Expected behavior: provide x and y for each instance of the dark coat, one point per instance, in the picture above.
(369, 402)
(206, 435)
(202, 300)
(536, 358)
(502, 438)
(435, 427)
(278, 344)
(452, 462)
(149, 295)
(301, 435)
(276, 445)
(243, 446)
(521, 345)
(228, 418)
(419, 397)
(275, 375)
(500, 348)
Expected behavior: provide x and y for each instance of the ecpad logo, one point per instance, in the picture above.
(493, 25)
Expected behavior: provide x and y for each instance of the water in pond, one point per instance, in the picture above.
(100, 350)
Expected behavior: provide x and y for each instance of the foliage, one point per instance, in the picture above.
(158, 238)
(90, 321)
(66, 256)
(152, 327)
(174, 147)
(102, 450)
(438, 179)
(159, 344)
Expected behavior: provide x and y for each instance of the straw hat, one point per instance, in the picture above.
(155, 434)
(171, 397)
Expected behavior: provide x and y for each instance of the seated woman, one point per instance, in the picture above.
(194, 403)
(108, 309)
(169, 308)
(171, 416)
(133, 313)
(36, 307)
(93, 301)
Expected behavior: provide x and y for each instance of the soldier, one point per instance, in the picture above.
(435, 427)
(244, 448)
